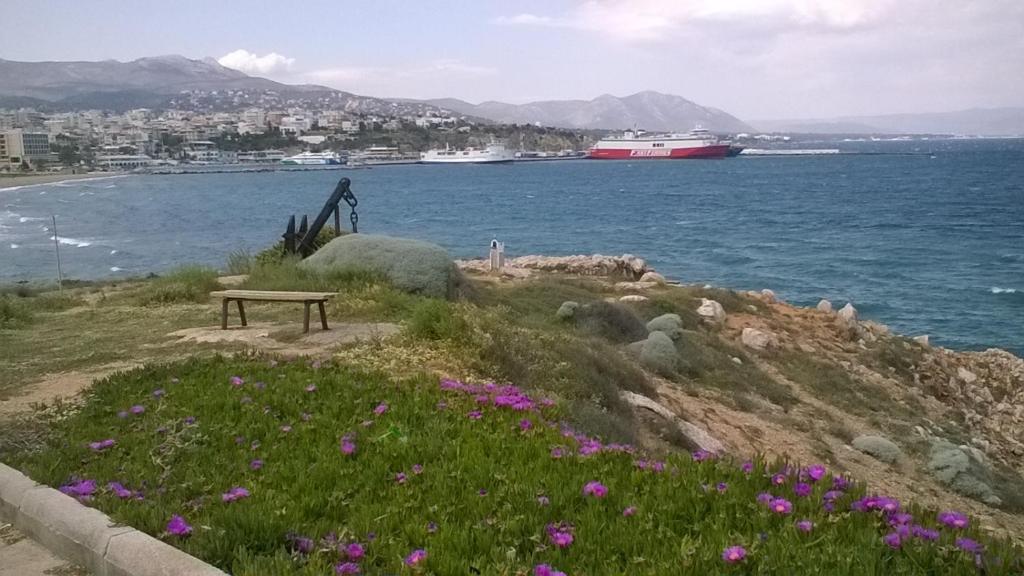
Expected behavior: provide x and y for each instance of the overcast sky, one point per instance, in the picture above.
(757, 59)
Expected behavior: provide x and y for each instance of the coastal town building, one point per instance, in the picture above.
(19, 147)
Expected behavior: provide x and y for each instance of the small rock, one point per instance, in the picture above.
(756, 339)
(825, 306)
(627, 286)
(737, 361)
(966, 375)
(633, 298)
(879, 447)
(768, 295)
(567, 310)
(922, 339)
(752, 309)
(711, 311)
(848, 314)
(670, 324)
(807, 348)
(652, 277)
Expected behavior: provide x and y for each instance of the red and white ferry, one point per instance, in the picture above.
(638, 145)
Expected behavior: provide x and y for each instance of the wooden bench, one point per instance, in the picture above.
(240, 296)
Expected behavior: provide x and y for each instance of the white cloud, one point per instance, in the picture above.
(250, 63)
(651, 20)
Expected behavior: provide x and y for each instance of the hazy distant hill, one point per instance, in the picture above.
(977, 121)
(648, 110)
(150, 82)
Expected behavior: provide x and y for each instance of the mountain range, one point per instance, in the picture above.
(976, 121)
(156, 81)
(649, 110)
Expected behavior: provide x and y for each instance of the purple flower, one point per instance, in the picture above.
(953, 519)
(159, 392)
(236, 381)
(765, 498)
(236, 493)
(722, 487)
(701, 455)
(595, 489)
(417, 468)
(780, 506)
(629, 511)
(543, 500)
(346, 568)
(354, 551)
(380, 409)
(968, 545)
(256, 464)
(189, 420)
(119, 490)
(122, 414)
(840, 483)
(892, 540)
(431, 527)
(311, 388)
(778, 479)
(900, 519)
(102, 444)
(178, 527)
(816, 472)
(400, 478)
(923, 533)
(481, 492)
(734, 554)
(805, 525)
(137, 409)
(557, 452)
(560, 534)
(348, 447)
(831, 495)
(415, 557)
(546, 570)
(802, 489)
(300, 544)
(747, 467)
(475, 415)
(81, 489)
(525, 424)
(286, 428)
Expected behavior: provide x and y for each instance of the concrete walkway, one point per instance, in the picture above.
(20, 556)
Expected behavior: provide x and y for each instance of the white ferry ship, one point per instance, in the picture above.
(636, 144)
(489, 155)
(320, 158)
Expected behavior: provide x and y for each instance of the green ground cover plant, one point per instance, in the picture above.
(265, 467)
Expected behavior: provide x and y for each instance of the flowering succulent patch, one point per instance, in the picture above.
(487, 477)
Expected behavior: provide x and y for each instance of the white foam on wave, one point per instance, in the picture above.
(113, 251)
(15, 246)
(998, 290)
(24, 219)
(115, 269)
(73, 242)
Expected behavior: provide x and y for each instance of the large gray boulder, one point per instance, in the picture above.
(410, 265)
(879, 447)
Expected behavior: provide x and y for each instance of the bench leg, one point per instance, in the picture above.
(241, 311)
(224, 314)
(305, 321)
(323, 316)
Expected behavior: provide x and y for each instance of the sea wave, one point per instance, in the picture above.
(998, 290)
(15, 246)
(73, 242)
(115, 269)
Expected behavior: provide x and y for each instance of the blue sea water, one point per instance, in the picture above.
(927, 237)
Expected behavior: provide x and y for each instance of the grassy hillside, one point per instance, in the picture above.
(278, 468)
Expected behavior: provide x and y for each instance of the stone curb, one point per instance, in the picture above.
(87, 536)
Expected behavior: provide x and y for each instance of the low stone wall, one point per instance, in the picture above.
(627, 266)
(88, 537)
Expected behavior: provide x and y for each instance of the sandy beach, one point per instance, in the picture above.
(36, 179)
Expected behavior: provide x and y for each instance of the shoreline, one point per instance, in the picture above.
(17, 182)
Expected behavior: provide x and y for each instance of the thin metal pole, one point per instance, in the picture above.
(56, 247)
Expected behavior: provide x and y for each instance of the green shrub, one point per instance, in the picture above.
(611, 321)
(880, 447)
(658, 354)
(13, 312)
(239, 262)
(435, 320)
(671, 324)
(184, 284)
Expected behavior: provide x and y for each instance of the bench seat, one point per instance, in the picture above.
(240, 296)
